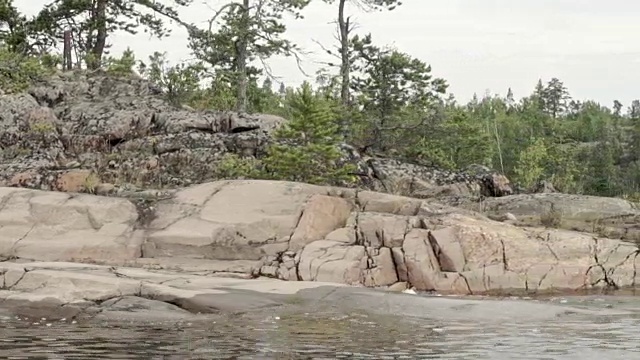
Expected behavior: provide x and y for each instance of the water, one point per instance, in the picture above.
(295, 334)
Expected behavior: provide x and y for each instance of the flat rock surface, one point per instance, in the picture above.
(300, 232)
(70, 290)
(606, 217)
(66, 290)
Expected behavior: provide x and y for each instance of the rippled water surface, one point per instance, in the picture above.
(326, 335)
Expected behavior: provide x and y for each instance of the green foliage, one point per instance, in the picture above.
(381, 100)
(180, 83)
(396, 93)
(247, 31)
(42, 128)
(530, 166)
(468, 141)
(232, 166)
(307, 146)
(562, 169)
(92, 22)
(18, 71)
(121, 66)
(13, 34)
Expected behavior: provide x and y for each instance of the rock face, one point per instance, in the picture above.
(610, 217)
(400, 178)
(118, 128)
(96, 133)
(294, 231)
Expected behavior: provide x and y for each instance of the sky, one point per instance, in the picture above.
(478, 46)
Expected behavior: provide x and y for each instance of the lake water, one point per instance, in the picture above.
(296, 334)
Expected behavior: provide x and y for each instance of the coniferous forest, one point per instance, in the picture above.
(375, 97)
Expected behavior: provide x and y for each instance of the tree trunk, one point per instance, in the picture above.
(241, 60)
(97, 48)
(345, 66)
(343, 25)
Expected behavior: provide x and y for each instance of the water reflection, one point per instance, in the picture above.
(325, 335)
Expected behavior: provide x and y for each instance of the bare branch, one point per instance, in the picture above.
(220, 11)
(325, 49)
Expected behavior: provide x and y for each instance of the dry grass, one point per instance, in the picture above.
(91, 183)
(551, 218)
(401, 186)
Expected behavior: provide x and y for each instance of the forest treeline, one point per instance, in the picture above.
(373, 96)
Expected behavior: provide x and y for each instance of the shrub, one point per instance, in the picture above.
(232, 166)
(17, 71)
(121, 66)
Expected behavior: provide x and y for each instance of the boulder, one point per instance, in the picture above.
(56, 226)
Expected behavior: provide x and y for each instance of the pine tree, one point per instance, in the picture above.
(345, 27)
(242, 33)
(556, 98)
(307, 148)
(92, 22)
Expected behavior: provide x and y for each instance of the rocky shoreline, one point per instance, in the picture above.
(109, 203)
(82, 251)
(70, 292)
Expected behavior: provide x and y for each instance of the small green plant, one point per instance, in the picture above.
(530, 166)
(42, 127)
(551, 218)
(232, 166)
(91, 182)
(121, 66)
(181, 83)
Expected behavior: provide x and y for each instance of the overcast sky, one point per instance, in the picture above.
(476, 45)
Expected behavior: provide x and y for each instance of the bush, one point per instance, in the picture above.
(121, 66)
(232, 166)
(17, 71)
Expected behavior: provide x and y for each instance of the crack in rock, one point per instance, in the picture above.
(10, 287)
(544, 276)
(505, 264)
(606, 278)
(466, 282)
